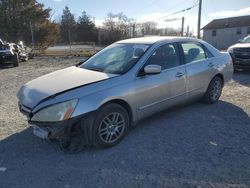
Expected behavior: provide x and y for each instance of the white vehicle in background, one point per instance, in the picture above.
(240, 54)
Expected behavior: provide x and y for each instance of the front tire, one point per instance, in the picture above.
(214, 90)
(110, 126)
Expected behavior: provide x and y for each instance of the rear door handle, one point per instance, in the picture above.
(179, 74)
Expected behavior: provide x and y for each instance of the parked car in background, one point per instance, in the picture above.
(13, 52)
(240, 54)
(122, 84)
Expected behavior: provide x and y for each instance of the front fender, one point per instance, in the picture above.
(96, 100)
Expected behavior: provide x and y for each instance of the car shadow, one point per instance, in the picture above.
(6, 65)
(187, 146)
(242, 77)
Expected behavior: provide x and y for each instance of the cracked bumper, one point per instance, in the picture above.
(49, 130)
(61, 129)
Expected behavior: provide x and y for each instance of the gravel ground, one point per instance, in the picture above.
(195, 145)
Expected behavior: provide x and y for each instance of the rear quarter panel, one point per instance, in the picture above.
(226, 68)
(223, 62)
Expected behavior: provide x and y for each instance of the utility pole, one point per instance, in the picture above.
(187, 34)
(182, 26)
(32, 36)
(133, 30)
(199, 20)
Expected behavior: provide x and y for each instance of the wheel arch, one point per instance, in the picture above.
(220, 76)
(125, 105)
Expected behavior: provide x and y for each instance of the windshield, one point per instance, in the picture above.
(116, 59)
(246, 40)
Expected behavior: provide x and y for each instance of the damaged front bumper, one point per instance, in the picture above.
(48, 130)
(65, 130)
(62, 130)
(52, 130)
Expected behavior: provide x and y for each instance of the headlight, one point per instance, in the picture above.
(230, 50)
(57, 112)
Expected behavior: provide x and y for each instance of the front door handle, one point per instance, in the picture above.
(211, 65)
(179, 74)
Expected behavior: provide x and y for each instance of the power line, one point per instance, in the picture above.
(168, 9)
(186, 9)
(177, 12)
(175, 5)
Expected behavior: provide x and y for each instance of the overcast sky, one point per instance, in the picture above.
(152, 10)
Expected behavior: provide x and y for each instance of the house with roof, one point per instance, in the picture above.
(222, 33)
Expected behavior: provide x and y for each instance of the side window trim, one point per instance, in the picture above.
(207, 52)
(181, 52)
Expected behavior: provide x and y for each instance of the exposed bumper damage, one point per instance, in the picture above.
(52, 130)
(73, 135)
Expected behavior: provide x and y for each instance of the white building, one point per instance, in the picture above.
(222, 33)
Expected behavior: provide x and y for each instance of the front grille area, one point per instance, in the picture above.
(239, 56)
(241, 49)
(242, 53)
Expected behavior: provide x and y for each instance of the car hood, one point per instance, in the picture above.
(57, 82)
(241, 45)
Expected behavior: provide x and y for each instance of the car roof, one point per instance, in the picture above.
(156, 39)
(159, 39)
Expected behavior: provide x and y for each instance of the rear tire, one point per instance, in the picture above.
(110, 125)
(214, 90)
(15, 60)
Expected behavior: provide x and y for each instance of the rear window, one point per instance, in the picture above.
(193, 52)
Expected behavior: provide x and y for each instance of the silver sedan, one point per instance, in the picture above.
(127, 81)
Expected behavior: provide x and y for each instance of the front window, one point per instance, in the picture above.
(116, 59)
(166, 56)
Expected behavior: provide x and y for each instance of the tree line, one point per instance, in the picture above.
(31, 22)
(19, 17)
(115, 27)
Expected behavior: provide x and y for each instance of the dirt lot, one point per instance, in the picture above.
(195, 145)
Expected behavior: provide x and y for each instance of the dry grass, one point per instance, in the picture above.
(85, 53)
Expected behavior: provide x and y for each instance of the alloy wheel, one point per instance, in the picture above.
(216, 90)
(112, 127)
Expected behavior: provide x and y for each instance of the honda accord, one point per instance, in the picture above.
(122, 84)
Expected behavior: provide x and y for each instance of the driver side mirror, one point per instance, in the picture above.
(152, 69)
